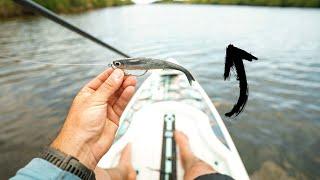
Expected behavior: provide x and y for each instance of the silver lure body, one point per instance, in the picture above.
(143, 63)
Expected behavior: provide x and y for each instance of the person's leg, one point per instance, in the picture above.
(123, 171)
(193, 166)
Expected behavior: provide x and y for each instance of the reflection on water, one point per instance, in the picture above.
(277, 135)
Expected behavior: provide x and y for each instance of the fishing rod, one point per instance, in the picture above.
(54, 17)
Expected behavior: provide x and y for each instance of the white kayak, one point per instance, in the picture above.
(163, 103)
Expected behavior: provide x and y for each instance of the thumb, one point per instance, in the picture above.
(110, 86)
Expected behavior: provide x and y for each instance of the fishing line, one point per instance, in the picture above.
(63, 64)
(53, 63)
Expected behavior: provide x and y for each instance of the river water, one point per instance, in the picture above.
(278, 135)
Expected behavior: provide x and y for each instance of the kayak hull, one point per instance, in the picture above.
(163, 103)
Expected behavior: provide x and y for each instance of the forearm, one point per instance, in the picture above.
(41, 169)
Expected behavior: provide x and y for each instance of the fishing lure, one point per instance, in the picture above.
(130, 64)
(234, 57)
(146, 64)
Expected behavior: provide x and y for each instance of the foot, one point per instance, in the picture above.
(125, 164)
(186, 155)
(182, 141)
(193, 166)
(124, 170)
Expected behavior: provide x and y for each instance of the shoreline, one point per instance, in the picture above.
(9, 10)
(31, 14)
(314, 4)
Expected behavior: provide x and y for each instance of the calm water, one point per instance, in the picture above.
(278, 135)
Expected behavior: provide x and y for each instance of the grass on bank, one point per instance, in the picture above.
(8, 8)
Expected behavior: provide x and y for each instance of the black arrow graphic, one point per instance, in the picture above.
(234, 57)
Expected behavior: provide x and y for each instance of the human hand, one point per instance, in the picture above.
(93, 118)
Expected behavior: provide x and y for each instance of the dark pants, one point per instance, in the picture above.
(214, 176)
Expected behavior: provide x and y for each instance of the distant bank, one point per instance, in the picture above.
(9, 9)
(277, 3)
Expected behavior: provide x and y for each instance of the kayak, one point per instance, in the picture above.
(166, 102)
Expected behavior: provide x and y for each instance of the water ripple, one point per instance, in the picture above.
(281, 120)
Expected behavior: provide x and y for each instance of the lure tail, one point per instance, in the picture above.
(185, 71)
(189, 76)
(234, 57)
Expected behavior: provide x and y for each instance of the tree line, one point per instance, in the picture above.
(281, 3)
(8, 8)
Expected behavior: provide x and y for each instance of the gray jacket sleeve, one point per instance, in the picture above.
(39, 169)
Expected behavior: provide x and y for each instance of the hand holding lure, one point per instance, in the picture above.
(234, 57)
(146, 64)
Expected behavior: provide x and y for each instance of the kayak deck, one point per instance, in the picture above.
(142, 124)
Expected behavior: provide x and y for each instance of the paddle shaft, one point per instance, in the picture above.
(54, 17)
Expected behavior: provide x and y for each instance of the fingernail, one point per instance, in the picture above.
(117, 74)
